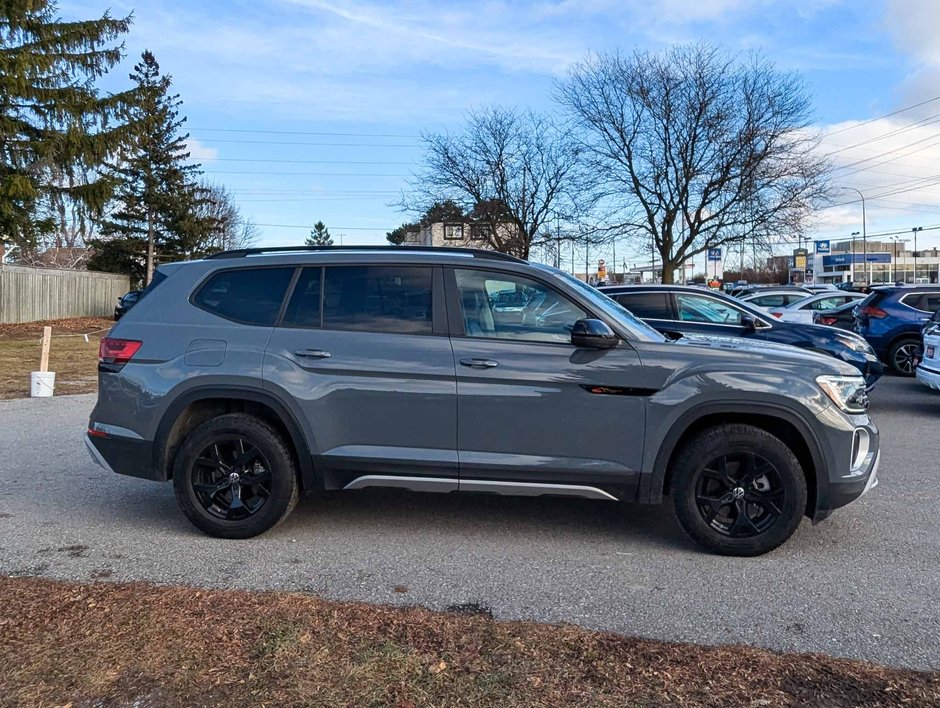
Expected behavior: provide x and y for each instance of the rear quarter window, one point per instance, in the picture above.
(646, 306)
(247, 295)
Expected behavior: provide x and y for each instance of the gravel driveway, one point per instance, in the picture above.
(864, 584)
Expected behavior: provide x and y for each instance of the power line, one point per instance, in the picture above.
(336, 228)
(307, 162)
(296, 142)
(304, 174)
(886, 115)
(306, 132)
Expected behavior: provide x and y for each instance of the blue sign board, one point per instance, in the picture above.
(847, 258)
(714, 254)
(822, 247)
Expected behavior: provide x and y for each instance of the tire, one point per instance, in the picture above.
(234, 477)
(902, 354)
(740, 476)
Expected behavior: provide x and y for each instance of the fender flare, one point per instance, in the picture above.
(652, 486)
(308, 478)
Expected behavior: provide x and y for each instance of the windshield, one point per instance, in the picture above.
(608, 306)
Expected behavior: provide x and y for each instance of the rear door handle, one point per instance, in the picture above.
(312, 354)
(479, 363)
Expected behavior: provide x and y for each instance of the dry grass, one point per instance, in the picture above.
(74, 360)
(135, 644)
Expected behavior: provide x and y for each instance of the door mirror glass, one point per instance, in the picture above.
(593, 334)
(748, 322)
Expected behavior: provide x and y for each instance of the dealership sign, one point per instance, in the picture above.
(822, 247)
(714, 254)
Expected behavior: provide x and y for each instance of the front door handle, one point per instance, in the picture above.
(312, 354)
(479, 363)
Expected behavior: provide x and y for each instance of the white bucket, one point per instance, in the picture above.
(41, 384)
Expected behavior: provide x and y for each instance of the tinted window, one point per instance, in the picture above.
(647, 306)
(248, 295)
(303, 310)
(508, 306)
(768, 300)
(699, 308)
(931, 302)
(395, 299)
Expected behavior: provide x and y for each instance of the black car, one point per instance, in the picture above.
(842, 317)
(679, 310)
(126, 302)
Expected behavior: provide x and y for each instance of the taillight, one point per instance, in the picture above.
(827, 320)
(117, 351)
(777, 314)
(870, 311)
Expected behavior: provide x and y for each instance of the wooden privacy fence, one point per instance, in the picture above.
(29, 294)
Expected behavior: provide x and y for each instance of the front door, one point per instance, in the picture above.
(533, 409)
(364, 350)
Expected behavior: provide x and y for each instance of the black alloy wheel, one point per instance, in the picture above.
(231, 479)
(740, 495)
(905, 355)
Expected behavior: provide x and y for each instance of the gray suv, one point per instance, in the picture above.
(255, 375)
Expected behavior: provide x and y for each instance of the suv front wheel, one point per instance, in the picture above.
(738, 490)
(234, 477)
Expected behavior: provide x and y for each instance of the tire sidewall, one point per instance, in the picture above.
(281, 467)
(893, 354)
(692, 461)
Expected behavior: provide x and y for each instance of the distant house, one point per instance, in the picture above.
(453, 233)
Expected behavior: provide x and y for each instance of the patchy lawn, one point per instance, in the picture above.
(74, 360)
(144, 645)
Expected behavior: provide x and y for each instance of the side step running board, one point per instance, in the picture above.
(519, 489)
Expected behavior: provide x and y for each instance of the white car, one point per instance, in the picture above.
(802, 310)
(928, 371)
(765, 298)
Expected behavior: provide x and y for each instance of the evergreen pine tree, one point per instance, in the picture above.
(320, 236)
(55, 126)
(157, 196)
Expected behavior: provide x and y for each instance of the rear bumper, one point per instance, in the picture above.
(123, 456)
(928, 377)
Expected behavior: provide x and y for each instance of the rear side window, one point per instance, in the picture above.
(769, 300)
(930, 302)
(646, 306)
(303, 310)
(392, 299)
(247, 295)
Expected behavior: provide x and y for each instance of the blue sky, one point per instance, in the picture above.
(312, 109)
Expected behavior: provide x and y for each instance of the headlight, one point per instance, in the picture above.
(856, 345)
(847, 392)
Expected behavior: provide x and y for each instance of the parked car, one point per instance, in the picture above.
(775, 297)
(842, 317)
(256, 374)
(928, 370)
(802, 311)
(891, 319)
(126, 302)
(677, 310)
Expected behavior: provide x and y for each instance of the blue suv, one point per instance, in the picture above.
(891, 319)
(676, 309)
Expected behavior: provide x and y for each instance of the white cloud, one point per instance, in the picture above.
(200, 152)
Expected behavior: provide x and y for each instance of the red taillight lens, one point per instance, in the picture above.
(875, 312)
(828, 320)
(117, 351)
(777, 314)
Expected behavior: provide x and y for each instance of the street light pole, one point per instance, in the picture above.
(915, 230)
(864, 240)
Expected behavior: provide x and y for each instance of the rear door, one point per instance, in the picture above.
(364, 351)
(533, 409)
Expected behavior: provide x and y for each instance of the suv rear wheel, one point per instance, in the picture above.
(903, 355)
(234, 477)
(738, 490)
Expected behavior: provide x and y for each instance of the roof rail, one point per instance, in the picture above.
(476, 252)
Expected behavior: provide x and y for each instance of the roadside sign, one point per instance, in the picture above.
(714, 254)
(823, 247)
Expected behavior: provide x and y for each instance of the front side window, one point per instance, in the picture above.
(699, 308)
(931, 302)
(509, 306)
(646, 306)
(303, 310)
(391, 299)
(248, 295)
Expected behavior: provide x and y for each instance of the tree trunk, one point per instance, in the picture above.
(150, 249)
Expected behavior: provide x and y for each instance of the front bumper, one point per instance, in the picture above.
(928, 377)
(846, 492)
(123, 456)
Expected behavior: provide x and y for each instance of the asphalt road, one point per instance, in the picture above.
(865, 583)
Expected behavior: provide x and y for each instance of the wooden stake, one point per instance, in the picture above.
(46, 342)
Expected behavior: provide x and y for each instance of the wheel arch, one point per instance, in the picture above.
(203, 403)
(781, 422)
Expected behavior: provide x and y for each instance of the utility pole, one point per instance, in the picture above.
(915, 230)
(864, 239)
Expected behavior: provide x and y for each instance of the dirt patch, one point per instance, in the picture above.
(74, 359)
(117, 644)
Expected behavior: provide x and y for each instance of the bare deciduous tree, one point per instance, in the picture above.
(233, 230)
(512, 172)
(694, 149)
